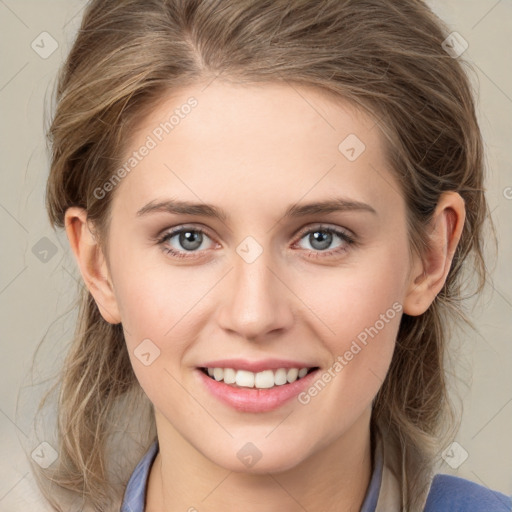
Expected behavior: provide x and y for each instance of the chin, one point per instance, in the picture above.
(256, 459)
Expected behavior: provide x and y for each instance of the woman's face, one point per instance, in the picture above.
(271, 278)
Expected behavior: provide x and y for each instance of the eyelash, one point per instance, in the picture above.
(349, 240)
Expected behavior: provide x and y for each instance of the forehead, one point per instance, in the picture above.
(268, 143)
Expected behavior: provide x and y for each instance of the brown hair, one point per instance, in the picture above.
(384, 56)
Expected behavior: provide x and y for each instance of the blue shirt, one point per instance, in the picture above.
(447, 493)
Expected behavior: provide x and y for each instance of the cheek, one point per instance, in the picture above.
(167, 306)
(350, 300)
(154, 303)
(363, 323)
(358, 310)
(155, 300)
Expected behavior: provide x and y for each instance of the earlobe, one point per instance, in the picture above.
(428, 277)
(92, 263)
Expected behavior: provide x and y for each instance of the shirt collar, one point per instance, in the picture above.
(135, 493)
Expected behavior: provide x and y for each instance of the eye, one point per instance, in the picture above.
(321, 239)
(189, 240)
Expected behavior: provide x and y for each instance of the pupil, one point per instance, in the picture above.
(188, 237)
(322, 237)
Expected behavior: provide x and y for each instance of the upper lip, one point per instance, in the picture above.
(256, 366)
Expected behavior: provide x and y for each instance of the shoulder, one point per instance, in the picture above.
(454, 494)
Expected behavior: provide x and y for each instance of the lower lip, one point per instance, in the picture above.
(252, 399)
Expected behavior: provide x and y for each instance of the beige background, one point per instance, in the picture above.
(35, 296)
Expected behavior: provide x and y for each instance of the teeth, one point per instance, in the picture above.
(292, 374)
(261, 380)
(302, 372)
(264, 379)
(244, 379)
(280, 376)
(229, 376)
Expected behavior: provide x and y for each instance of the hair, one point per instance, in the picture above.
(382, 56)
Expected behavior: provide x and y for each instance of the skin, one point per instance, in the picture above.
(254, 151)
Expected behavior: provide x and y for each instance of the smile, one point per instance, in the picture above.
(255, 392)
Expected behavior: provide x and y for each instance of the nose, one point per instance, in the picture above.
(257, 300)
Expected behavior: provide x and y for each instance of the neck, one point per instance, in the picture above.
(333, 479)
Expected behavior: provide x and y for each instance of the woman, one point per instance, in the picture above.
(271, 205)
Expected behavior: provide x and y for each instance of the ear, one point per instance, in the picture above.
(427, 277)
(92, 263)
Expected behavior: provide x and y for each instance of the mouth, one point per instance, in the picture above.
(266, 379)
(256, 392)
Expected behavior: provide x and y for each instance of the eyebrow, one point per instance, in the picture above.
(293, 211)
